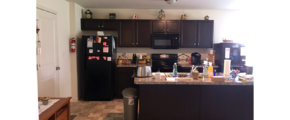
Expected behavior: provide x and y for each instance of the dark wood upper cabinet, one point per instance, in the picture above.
(205, 34)
(143, 33)
(188, 34)
(126, 33)
(165, 26)
(98, 24)
(172, 26)
(159, 26)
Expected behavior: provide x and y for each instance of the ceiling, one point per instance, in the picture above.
(161, 4)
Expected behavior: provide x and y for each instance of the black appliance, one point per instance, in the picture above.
(165, 41)
(195, 58)
(231, 51)
(99, 67)
(164, 62)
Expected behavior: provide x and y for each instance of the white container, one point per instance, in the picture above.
(157, 75)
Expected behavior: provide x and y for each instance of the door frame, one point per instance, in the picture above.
(51, 11)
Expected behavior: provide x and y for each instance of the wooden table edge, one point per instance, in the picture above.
(56, 106)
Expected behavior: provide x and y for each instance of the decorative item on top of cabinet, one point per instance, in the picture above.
(206, 17)
(89, 14)
(112, 15)
(135, 17)
(183, 17)
(161, 14)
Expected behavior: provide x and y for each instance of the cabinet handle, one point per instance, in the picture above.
(168, 30)
(164, 30)
(198, 44)
(194, 43)
(132, 43)
(102, 26)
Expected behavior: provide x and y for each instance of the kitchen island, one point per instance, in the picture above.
(188, 99)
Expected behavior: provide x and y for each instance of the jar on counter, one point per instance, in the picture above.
(195, 74)
(119, 61)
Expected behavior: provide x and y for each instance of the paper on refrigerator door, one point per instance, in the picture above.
(109, 58)
(89, 43)
(227, 53)
(91, 50)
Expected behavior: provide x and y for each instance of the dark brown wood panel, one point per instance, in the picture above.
(143, 33)
(126, 33)
(158, 26)
(169, 102)
(226, 102)
(188, 34)
(124, 80)
(205, 34)
(172, 26)
(90, 24)
(109, 24)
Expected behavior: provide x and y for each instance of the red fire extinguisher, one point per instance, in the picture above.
(73, 47)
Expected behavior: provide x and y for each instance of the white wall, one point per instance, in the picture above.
(36, 95)
(63, 32)
(75, 11)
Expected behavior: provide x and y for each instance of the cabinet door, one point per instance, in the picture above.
(188, 34)
(159, 26)
(90, 24)
(124, 80)
(143, 33)
(172, 26)
(126, 33)
(205, 34)
(109, 24)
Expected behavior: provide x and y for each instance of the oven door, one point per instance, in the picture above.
(164, 41)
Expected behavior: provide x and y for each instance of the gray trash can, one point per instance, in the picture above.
(130, 99)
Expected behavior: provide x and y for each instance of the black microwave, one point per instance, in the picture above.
(165, 41)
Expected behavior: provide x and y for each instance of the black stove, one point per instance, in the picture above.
(164, 62)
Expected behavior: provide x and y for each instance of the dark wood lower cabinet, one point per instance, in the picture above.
(124, 80)
(196, 102)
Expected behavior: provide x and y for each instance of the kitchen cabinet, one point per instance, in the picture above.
(196, 34)
(124, 80)
(143, 33)
(205, 34)
(126, 33)
(98, 24)
(165, 26)
(134, 33)
(188, 36)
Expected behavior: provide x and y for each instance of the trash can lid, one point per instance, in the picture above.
(130, 92)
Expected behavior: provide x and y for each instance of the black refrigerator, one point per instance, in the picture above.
(99, 66)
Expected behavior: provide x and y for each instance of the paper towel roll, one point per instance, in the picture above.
(227, 68)
(210, 51)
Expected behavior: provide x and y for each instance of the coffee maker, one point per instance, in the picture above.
(195, 58)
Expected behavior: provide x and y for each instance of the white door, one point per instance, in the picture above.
(47, 57)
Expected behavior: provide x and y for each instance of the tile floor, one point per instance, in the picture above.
(98, 110)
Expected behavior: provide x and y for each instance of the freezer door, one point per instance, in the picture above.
(101, 45)
(98, 78)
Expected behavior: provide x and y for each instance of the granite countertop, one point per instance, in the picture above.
(185, 81)
(199, 66)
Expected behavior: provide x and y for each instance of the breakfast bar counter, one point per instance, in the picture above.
(186, 81)
(187, 99)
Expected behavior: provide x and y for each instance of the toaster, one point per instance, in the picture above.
(143, 71)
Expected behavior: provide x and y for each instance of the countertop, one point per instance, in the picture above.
(199, 66)
(188, 81)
